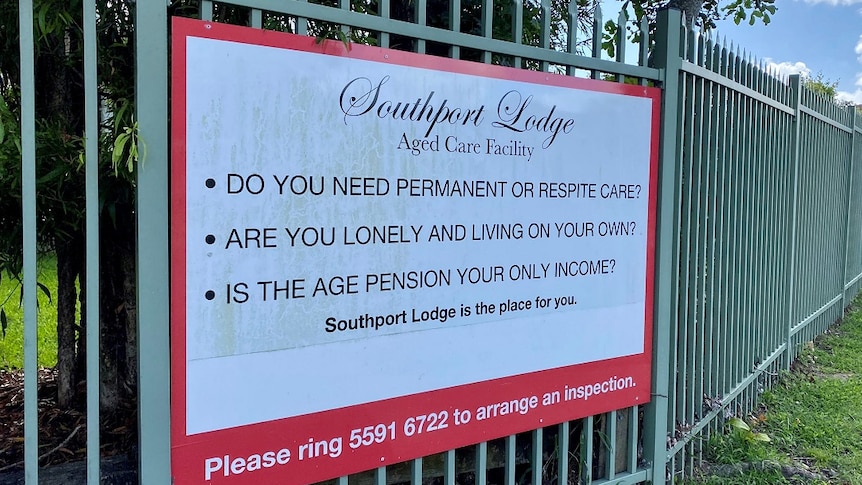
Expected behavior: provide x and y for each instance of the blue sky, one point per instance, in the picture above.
(805, 36)
(809, 37)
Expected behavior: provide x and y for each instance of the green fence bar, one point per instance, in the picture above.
(28, 204)
(669, 45)
(91, 131)
(415, 472)
(154, 376)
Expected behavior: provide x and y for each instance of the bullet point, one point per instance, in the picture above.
(210, 239)
(210, 183)
(210, 294)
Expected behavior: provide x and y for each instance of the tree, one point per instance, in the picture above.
(704, 13)
(696, 13)
(822, 86)
(60, 201)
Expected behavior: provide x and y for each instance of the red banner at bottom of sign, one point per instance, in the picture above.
(314, 447)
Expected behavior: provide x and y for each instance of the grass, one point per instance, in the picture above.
(12, 344)
(813, 417)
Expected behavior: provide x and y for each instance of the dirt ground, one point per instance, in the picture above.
(62, 433)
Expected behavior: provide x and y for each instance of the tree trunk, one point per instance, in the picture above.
(68, 270)
(118, 359)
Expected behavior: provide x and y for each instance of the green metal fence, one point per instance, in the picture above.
(759, 240)
(768, 252)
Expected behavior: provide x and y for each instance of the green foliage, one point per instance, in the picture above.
(709, 12)
(58, 51)
(822, 86)
(744, 431)
(739, 444)
(12, 339)
(753, 477)
(754, 10)
(125, 152)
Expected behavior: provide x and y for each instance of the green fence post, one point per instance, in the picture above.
(795, 103)
(669, 60)
(151, 86)
(91, 132)
(28, 229)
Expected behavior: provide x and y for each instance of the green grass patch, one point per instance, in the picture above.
(12, 344)
(813, 416)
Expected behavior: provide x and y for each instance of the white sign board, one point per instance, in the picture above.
(379, 255)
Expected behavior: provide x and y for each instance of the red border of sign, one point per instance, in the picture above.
(189, 452)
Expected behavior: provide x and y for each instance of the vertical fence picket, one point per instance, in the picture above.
(545, 36)
(597, 38)
(562, 452)
(384, 12)
(620, 42)
(416, 472)
(206, 9)
(28, 205)
(422, 20)
(256, 18)
(517, 7)
(151, 91)
(587, 450)
(572, 33)
(455, 26)
(487, 27)
(509, 465)
(482, 463)
(667, 57)
(92, 235)
(714, 335)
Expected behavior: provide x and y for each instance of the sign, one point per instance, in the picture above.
(378, 255)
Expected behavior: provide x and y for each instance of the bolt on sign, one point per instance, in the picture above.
(379, 255)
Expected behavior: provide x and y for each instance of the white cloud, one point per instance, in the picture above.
(835, 2)
(856, 96)
(784, 69)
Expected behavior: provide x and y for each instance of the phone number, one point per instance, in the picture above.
(414, 425)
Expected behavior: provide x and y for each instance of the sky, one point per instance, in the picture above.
(809, 37)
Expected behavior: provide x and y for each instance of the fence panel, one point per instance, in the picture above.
(735, 188)
(853, 271)
(822, 216)
(768, 221)
(759, 239)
